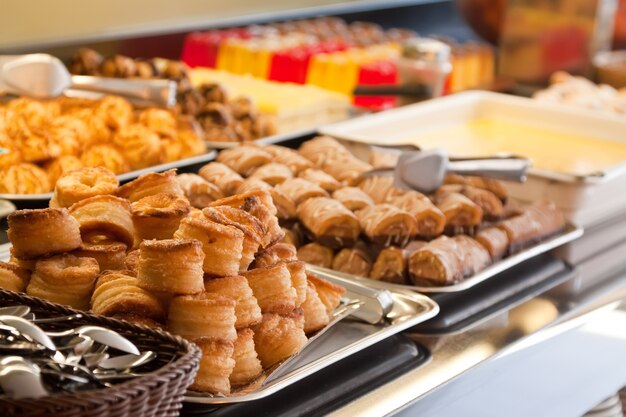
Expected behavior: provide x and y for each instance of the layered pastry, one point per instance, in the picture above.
(390, 266)
(322, 179)
(198, 191)
(273, 173)
(355, 261)
(460, 211)
(288, 157)
(279, 252)
(244, 159)
(316, 254)
(105, 215)
(272, 286)
(109, 255)
(203, 315)
(222, 176)
(534, 223)
(277, 338)
(353, 198)
(329, 221)
(150, 184)
(330, 294)
(490, 204)
(84, 183)
(247, 310)
(158, 216)
(495, 240)
(297, 271)
(300, 190)
(315, 314)
(430, 221)
(247, 364)
(107, 156)
(380, 188)
(216, 366)
(60, 166)
(13, 277)
(346, 169)
(488, 184)
(321, 148)
(387, 224)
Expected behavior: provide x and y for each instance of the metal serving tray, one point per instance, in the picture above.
(127, 176)
(346, 337)
(569, 234)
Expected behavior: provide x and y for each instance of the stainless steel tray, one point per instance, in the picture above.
(345, 338)
(570, 233)
(198, 159)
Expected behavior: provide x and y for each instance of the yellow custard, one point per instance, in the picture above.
(549, 150)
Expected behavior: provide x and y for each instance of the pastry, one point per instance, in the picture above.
(253, 184)
(329, 221)
(322, 179)
(61, 165)
(288, 157)
(118, 66)
(380, 159)
(216, 366)
(315, 315)
(430, 221)
(172, 266)
(272, 173)
(27, 264)
(345, 169)
(285, 206)
(42, 232)
(139, 320)
(353, 198)
(318, 149)
(106, 156)
(380, 188)
(535, 223)
(244, 159)
(110, 256)
(390, 266)
(459, 210)
(159, 121)
(158, 216)
(64, 279)
(222, 176)
(293, 236)
(316, 254)
(490, 204)
(84, 183)
(118, 293)
(131, 263)
(273, 288)
(140, 146)
(203, 315)
(247, 364)
(198, 191)
(300, 190)
(329, 293)
(355, 261)
(297, 270)
(105, 215)
(387, 224)
(13, 277)
(150, 184)
(222, 244)
(278, 252)
(24, 178)
(277, 338)
(247, 310)
(489, 184)
(495, 240)
(115, 111)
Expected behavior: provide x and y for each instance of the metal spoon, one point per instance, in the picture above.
(17, 310)
(20, 378)
(25, 327)
(123, 362)
(101, 335)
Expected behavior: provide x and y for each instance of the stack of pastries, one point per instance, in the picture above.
(367, 226)
(211, 269)
(40, 140)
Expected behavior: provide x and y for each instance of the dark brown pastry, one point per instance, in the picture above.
(460, 211)
(118, 66)
(535, 223)
(86, 62)
(495, 240)
(490, 204)
(355, 261)
(489, 184)
(429, 219)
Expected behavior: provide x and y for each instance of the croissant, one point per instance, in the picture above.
(300, 190)
(495, 240)
(244, 159)
(329, 221)
(535, 223)
(355, 261)
(390, 266)
(490, 204)
(353, 198)
(322, 179)
(273, 173)
(247, 310)
(277, 338)
(316, 254)
(247, 364)
(222, 176)
(429, 219)
(272, 286)
(387, 224)
(459, 210)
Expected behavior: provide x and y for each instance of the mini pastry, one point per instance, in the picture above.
(285, 206)
(386, 224)
(216, 366)
(158, 216)
(460, 211)
(61, 165)
(316, 254)
(273, 288)
(159, 121)
(292, 236)
(353, 198)
(105, 156)
(64, 279)
(117, 293)
(381, 188)
(13, 278)
(150, 184)
(198, 191)
(272, 173)
(36, 147)
(221, 175)
(110, 256)
(289, 157)
(106, 215)
(495, 240)
(24, 178)
(84, 183)
(535, 223)
(278, 252)
(488, 184)
(27, 264)
(297, 270)
(346, 169)
(390, 266)
(355, 261)
(430, 221)
(247, 310)
(247, 364)
(318, 149)
(222, 245)
(329, 293)
(315, 315)
(329, 221)
(300, 190)
(277, 338)
(322, 179)
(140, 146)
(131, 263)
(43, 232)
(253, 184)
(115, 111)
(489, 203)
(172, 266)
(244, 159)
(203, 315)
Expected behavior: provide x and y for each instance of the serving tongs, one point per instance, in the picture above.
(44, 76)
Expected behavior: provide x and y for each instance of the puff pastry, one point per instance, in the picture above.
(247, 364)
(118, 293)
(278, 252)
(84, 183)
(244, 159)
(297, 270)
(13, 277)
(273, 288)
(277, 338)
(300, 190)
(321, 148)
(329, 293)
(390, 266)
(110, 256)
(315, 315)
(222, 176)
(430, 221)
(329, 221)
(198, 191)
(61, 165)
(316, 254)
(150, 184)
(216, 366)
(288, 157)
(247, 310)
(158, 216)
(322, 179)
(272, 173)
(353, 198)
(107, 215)
(203, 315)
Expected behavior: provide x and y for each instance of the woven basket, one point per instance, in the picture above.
(159, 394)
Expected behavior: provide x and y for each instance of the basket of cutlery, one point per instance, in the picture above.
(63, 362)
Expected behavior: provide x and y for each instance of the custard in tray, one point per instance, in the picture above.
(549, 150)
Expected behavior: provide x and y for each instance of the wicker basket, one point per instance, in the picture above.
(159, 394)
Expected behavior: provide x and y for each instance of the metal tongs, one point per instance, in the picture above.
(44, 76)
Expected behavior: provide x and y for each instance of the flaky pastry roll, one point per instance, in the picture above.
(118, 293)
(329, 293)
(297, 270)
(300, 190)
(285, 206)
(535, 223)
(490, 204)
(320, 148)
(495, 240)
(322, 179)
(354, 261)
(198, 191)
(346, 169)
(216, 366)
(353, 198)
(150, 184)
(489, 184)
(222, 176)
(390, 266)
(158, 216)
(316, 254)
(247, 364)
(329, 221)
(110, 256)
(272, 173)
(247, 310)
(387, 224)
(277, 338)
(430, 221)
(459, 210)
(315, 315)
(278, 252)
(203, 315)
(380, 188)
(106, 215)
(273, 288)
(244, 159)
(288, 157)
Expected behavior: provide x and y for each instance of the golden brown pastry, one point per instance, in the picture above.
(329, 293)
(380, 188)
(353, 198)
(293, 236)
(247, 364)
(159, 121)
(131, 263)
(198, 191)
(84, 183)
(329, 221)
(300, 190)
(247, 223)
(277, 338)
(11, 155)
(316, 254)
(495, 240)
(222, 176)
(216, 366)
(273, 288)
(24, 178)
(278, 252)
(244, 159)
(297, 270)
(460, 211)
(490, 204)
(253, 184)
(150, 184)
(390, 266)
(322, 179)
(61, 165)
(13, 278)
(222, 244)
(355, 261)
(36, 146)
(247, 310)
(387, 224)
(285, 206)
(289, 157)
(118, 293)
(115, 111)
(110, 256)
(64, 279)
(105, 156)
(106, 215)
(27, 264)
(158, 216)
(190, 142)
(272, 173)
(203, 315)
(430, 221)
(140, 146)
(535, 223)
(318, 149)
(172, 266)
(315, 315)
(346, 169)
(489, 184)
(43, 232)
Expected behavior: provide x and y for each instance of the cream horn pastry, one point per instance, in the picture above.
(198, 191)
(429, 219)
(386, 224)
(315, 315)
(222, 176)
(329, 221)
(106, 215)
(273, 288)
(329, 293)
(247, 310)
(353, 198)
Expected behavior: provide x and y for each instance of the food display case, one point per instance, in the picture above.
(272, 229)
